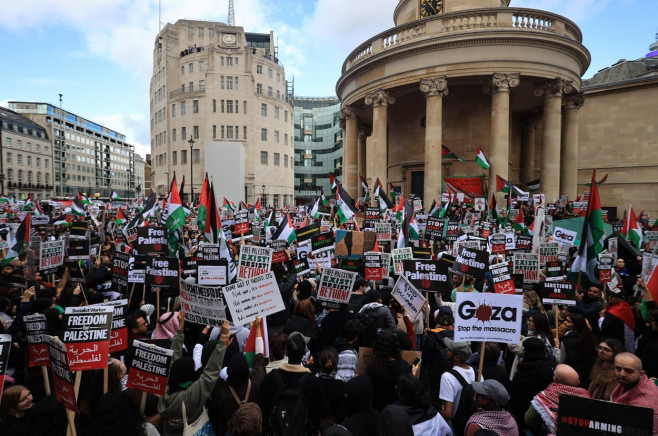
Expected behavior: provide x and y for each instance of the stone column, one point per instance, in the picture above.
(498, 155)
(569, 154)
(379, 100)
(350, 179)
(361, 156)
(434, 90)
(528, 151)
(550, 153)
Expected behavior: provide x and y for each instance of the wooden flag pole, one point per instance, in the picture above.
(557, 320)
(142, 403)
(46, 382)
(132, 290)
(481, 364)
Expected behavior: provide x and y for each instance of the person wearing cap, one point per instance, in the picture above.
(490, 398)
(617, 319)
(451, 388)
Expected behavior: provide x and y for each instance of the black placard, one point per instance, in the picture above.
(558, 293)
(429, 275)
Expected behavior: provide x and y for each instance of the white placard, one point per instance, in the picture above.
(336, 285)
(564, 236)
(488, 317)
(398, 255)
(408, 296)
(248, 299)
(211, 275)
(510, 241)
(202, 305)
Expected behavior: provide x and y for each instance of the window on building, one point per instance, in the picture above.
(20, 176)
(259, 88)
(276, 136)
(183, 133)
(19, 144)
(237, 132)
(222, 106)
(174, 158)
(8, 142)
(173, 134)
(195, 106)
(270, 91)
(190, 31)
(214, 131)
(263, 134)
(244, 132)
(278, 77)
(38, 162)
(39, 178)
(46, 163)
(221, 81)
(259, 69)
(190, 67)
(285, 139)
(222, 132)
(183, 157)
(200, 31)
(244, 106)
(285, 116)
(237, 106)
(29, 161)
(10, 175)
(28, 146)
(236, 82)
(263, 109)
(276, 112)
(173, 110)
(285, 161)
(182, 69)
(196, 156)
(229, 82)
(9, 158)
(182, 88)
(19, 159)
(269, 73)
(229, 61)
(214, 105)
(195, 130)
(191, 85)
(229, 132)
(182, 108)
(211, 32)
(202, 85)
(263, 157)
(277, 159)
(47, 179)
(202, 65)
(229, 106)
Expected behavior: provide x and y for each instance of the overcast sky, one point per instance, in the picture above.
(98, 53)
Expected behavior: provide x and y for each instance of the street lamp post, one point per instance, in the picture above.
(191, 141)
(264, 202)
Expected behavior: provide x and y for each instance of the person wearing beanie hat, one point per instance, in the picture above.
(186, 386)
(166, 327)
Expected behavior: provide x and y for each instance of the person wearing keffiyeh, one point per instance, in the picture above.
(542, 413)
(634, 386)
(490, 398)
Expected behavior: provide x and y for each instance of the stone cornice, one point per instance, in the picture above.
(500, 82)
(433, 87)
(379, 97)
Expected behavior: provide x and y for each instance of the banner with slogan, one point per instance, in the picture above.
(254, 261)
(353, 244)
(488, 317)
(398, 255)
(434, 228)
(37, 347)
(202, 305)
(51, 256)
(558, 293)
(470, 262)
(119, 333)
(120, 269)
(471, 187)
(411, 300)
(336, 285)
(548, 252)
(62, 374)
(250, 298)
(212, 272)
(5, 347)
(150, 366)
(528, 265)
(87, 336)
(502, 279)
(79, 249)
(305, 233)
(428, 275)
(383, 231)
(151, 241)
(373, 265)
(162, 272)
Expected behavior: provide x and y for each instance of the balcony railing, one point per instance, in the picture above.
(503, 19)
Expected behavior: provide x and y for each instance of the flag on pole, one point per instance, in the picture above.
(175, 218)
(364, 185)
(383, 200)
(250, 346)
(121, 218)
(481, 160)
(632, 230)
(534, 185)
(19, 241)
(285, 231)
(28, 204)
(345, 205)
(258, 206)
(212, 227)
(519, 222)
(316, 208)
(591, 241)
(204, 204)
(115, 196)
(446, 153)
(84, 198)
(493, 208)
(435, 209)
(332, 181)
(600, 182)
(77, 208)
(227, 205)
(442, 214)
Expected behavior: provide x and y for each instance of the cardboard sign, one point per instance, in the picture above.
(336, 285)
(502, 279)
(254, 261)
(242, 226)
(62, 374)
(87, 336)
(578, 416)
(150, 368)
(79, 249)
(36, 327)
(151, 241)
(434, 228)
(119, 334)
(398, 255)
(428, 275)
(383, 231)
(498, 243)
(488, 317)
(120, 269)
(258, 296)
(558, 293)
(528, 265)
(564, 236)
(548, 252)
(212, 272)
(202, 305)
(471, 262)
(51, 255)
(279, 250)
(605, 267)
(408, 296)
(353, 244)
(162, 272)
(373, 265)
(306, 233)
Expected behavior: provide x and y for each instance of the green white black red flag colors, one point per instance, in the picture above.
(175, 218)
(364, 185)
(632, 230)
(204, 203)
(285, 231)
(18, 241)
(344, 205)
(446, 153)
(77, 208)
(381, 197)
(481, 160)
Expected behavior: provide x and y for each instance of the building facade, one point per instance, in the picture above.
(25, 157)
(463, 74)
(86, 156)
(318, 146)
(214, 85)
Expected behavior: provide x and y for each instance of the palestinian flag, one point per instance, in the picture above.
(315, 211)
(393, 191)
(435, 209)
(37, 208)
(493, 208)
(250, 347)
(227, 205)
(503, 185)
(28, 204)
(20, 241)
(115, 196)
(600, 182)
(204, 203)
(258, 206)
(77, 208)
(446, 153)
(285, 231)
(632, 230)
(84, 198)
(121, 218)
(332, 181)
(652, 283)
(405, 215)
(533, 186)
(181, 191)
(519, 223)
(175, 218)
(364, 185)
(212, 228)
(481, 160)
(345, 205)
(591, 241)
(4, 199)
(384, 202)
(442, 213)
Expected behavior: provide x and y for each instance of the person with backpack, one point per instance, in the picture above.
(291, 398)
(456, 390)
(374, 317)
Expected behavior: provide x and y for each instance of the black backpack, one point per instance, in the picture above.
(371, 326)
(466, 404)
(289, 415)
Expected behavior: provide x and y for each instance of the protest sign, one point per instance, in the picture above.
(411, 300)
(162, 272)
(373, 265)
(421, 252)
(302, 267)
(558, 293)
(488, 317)
(428, 275)
(479, 204)
(510, 240)
(353, 244)
(87, 336)
(336, 285)
(579, 416)
(528, 265)
(371, 218)
(451, 231)
(386, 265)
(79, 249)
(548, 252)
(352, 264)
(554, 271)
(471, 262)
(498, 243)
(651, 238)
(78, 230)
(131, 234)
(250, 298)
(151, 241)
(119, 333)
(226, 228)
(254, 261)
(37, 346)
(241, 226)
(279, 250)
(305, 233)
(202, 305)
(322, 241)
(605, 267)
(383, 231)
(137, 269)
(434, 228)
(120, 269)
(40, 220)
(210, 252)
(212, 272)
(538, 199)
(524, 243)
(398, 255)
(564, 237)
(149, 369)
(5, 347)
(62, 374)
(502, 279)
(51, 256)
(613, 247)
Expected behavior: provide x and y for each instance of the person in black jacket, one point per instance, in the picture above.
(361, 416)
(286, 277)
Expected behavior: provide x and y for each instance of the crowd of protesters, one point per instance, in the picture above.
(588, 350)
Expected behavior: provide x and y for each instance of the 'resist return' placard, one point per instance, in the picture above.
(87, 336)
(336, 285)
(254, 261)
(150, 368)
(488, 317)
